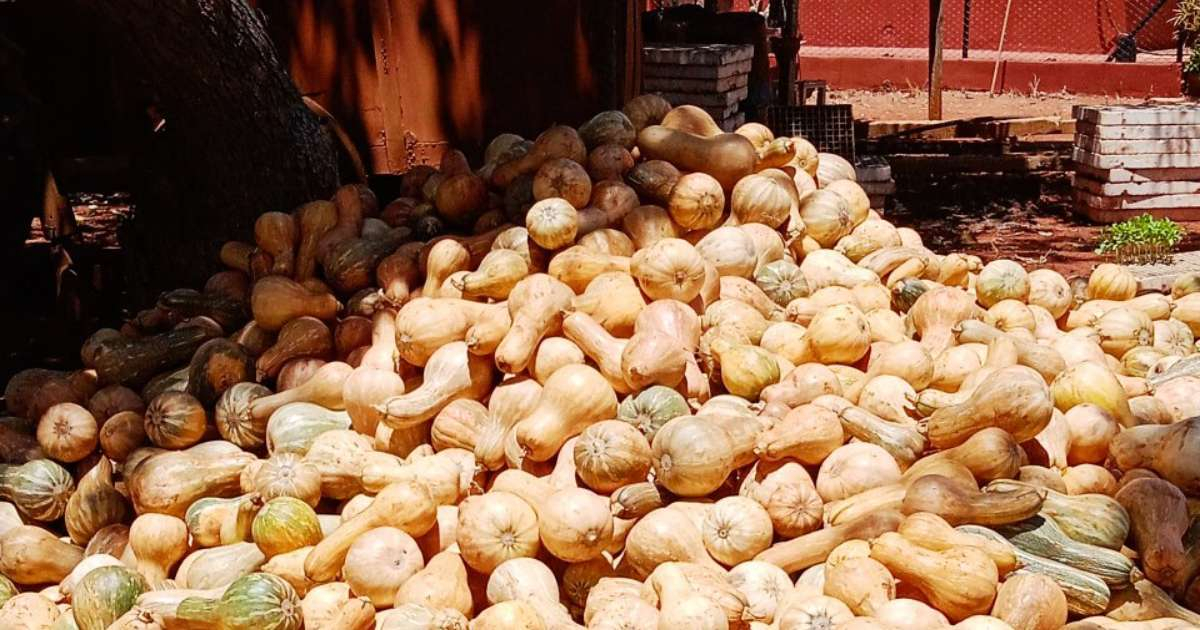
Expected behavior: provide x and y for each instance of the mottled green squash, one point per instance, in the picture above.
(651, 408)
(104, 594)
(285, 524)
(258, 601)
(40, 488)
(781, 281)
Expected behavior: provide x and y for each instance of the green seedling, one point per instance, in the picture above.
(1141, 240)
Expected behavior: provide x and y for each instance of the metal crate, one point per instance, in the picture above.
(829, 127)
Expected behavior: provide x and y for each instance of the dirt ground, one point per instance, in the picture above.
(1028, 219)
(912, 104)
(1020, 218)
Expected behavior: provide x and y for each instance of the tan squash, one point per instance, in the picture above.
(405, 506)
(574, 524)
(725, 156)
(960, 581)
(690, 119)
(1015, 399)
(959, 503)
(574, 397)
(157, 542)
(452, 372)
(441, 584)
(813, 548)
(933, 532)
(277, 300)
(30, 555)
(536, 305)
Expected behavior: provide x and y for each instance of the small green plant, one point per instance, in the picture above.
(1143, 239)
(1191, 65)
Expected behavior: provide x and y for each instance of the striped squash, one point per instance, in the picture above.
(39, 488)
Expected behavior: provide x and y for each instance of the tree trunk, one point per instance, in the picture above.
(237, 140)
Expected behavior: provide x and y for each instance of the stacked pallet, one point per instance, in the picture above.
(1133, 160)
(714, 77)
(874, 174)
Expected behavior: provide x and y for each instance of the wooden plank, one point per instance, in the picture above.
(1157, 161)
(1139, 114)
(1109, 189)
(388, 71)
(918, 165)
(910, 128)
(957, 146)
(1135, 147)
(1014, 127)
(1123, 175)
(696, 71)
(1139, 202)
(1136, 132)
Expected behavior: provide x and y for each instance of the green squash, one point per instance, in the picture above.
(104, 594)
(8, 590)
(295, 426)
(782, 281)
(39, 488)
(285, 524)
(906, 292)
(214, 521)
(651, 408)
(258, 601)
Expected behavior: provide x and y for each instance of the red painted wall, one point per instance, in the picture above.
(1068, 26)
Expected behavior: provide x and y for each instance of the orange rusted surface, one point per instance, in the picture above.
(408, 78)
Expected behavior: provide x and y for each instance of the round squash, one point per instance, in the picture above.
(104, 594)
(766, 197)
(175, 420)
(697, 201)
(552, 223)
(611, 454)
(826, 217)
(610, 127)
(1110, 281)
(285, 524)
(565, 179)
(67, 432)
(670, 269)
(1001, 280)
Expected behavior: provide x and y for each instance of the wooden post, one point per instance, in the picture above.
(787, 50)
(935, 59)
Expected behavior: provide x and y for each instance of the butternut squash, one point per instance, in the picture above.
(408, 507)
(727, 157)
(960, 581)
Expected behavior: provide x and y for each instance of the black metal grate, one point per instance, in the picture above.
(829, 127)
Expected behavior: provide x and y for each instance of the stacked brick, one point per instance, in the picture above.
(713, 77)
(1133, 160)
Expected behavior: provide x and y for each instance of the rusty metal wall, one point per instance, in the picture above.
(408, 78)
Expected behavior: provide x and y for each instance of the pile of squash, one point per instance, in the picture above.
(636, 375)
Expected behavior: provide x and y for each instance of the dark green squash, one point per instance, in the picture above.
(188, 303)
(350, 265)
(136, 361)
(218, 365)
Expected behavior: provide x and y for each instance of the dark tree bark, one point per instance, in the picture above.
(237, 139)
